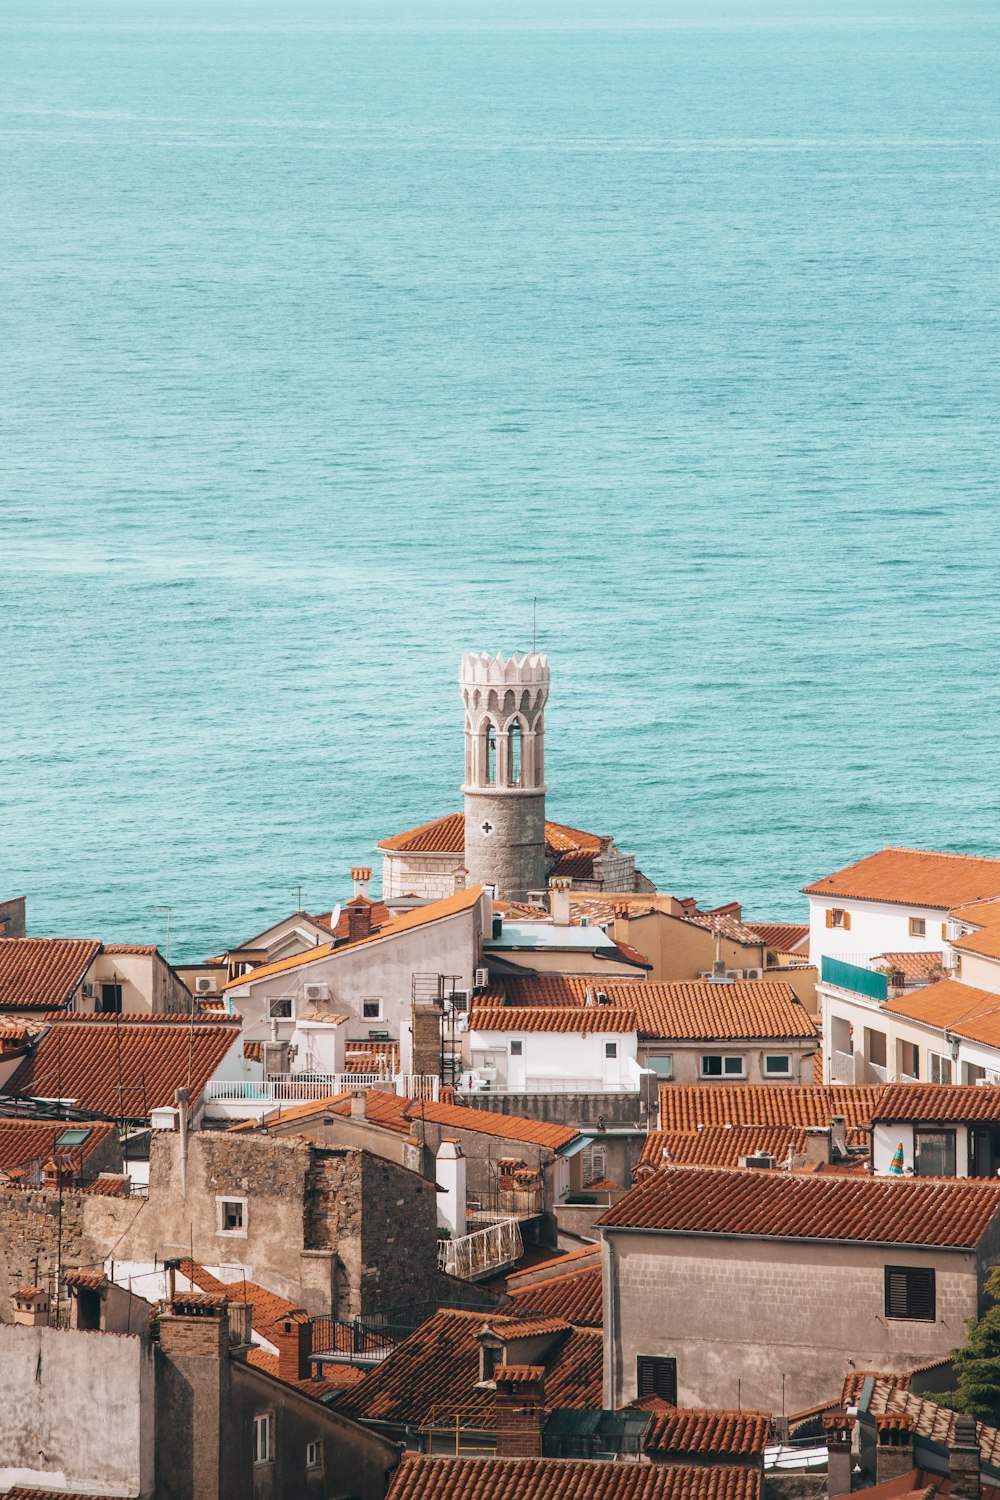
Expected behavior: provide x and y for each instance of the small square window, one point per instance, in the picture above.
(918, 927)
(663, 1067)
(610, 1049)
(280, 1009)
(835, 917)
(733, 1067)
(715, 1066)
(232, 1215)
(777, 1064)
(314, 1454)
(371, 1008)
(263, 1438)
(517, 1049)
(656, 1376)
(910, 1293)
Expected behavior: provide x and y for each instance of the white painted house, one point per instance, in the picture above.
(881, 932)
(553, 1049)
(943, 1131)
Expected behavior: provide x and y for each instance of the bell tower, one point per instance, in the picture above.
(505, 771)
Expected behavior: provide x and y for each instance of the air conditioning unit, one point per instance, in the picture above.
(375, 1035)
(88, 989)
(734, 973)
(705, 974)
(953, 931)
(753, 973)
(763, 1160)
(316, 991)
(482, 978)
(204, 985)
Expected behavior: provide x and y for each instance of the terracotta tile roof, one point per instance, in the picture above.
(519, 1374)
(489, 1122)
(723, 1145)
(379, 914)
(913, 877)
(554, 1018)
(930, 1420)
(420, 916)
(950, 1212)
(910, 965)
(575, 1296)
(91, 1280)
(262, 1360)
(24, 1141)
(110, 1185)
(854, 1381)
(937, 1103)
(782, 937)
(969, 1012)
(140, 950)
(269, 1310)
(42, 973)
(702, 1011)
(576, 864)
(436, 1372)
(371, 1057)
(447, 836)
(985, 917)
(22, 1492)
(685, 1106)
(124, 1066)
(632, 953)
(547, 989)
(420, 1477)
(709, 1433)
(728, 926)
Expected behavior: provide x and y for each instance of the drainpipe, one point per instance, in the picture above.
(611, 1399)
(181, 1096)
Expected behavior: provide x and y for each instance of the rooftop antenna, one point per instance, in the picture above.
(534, 624)
(167, 910)
(299, 906)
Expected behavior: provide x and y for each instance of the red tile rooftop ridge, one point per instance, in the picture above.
(950, 1213)
(708, 1432)
(914, 877)
(421, 1477)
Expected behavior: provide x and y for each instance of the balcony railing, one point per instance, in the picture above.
(292, 1088)
(482, 1253)
(842, 1067)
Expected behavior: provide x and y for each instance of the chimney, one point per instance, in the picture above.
(963, 1458)
(293, 1337)
(359, 1107)
(359, 919)
(193, 1325)
(894, 1445)
(413, 1154)
(461, 877)
(450, 1173)
(56, 1174)
(818, 1145)
(838, 1138)
(426, 1038)
(519, 1410)
(559, 889)
(362, 876)
(29, 1306)
(838, 1428)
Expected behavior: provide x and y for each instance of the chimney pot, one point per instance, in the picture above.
(964, 1459)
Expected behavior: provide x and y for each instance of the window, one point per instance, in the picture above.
(934, 1153)
(778, 1065)
(610, 1049)
(232, 1215)
(656, 1377)
(918, 927)
(837, 917)
(263, 1443)
(490, 1355)
(909, 1293)
(314, 1454)
(516, 1049)
(715, 1066)
(940, 1068)
(515, 754)
(280, 1009)
(663, 1067)
(371, 1008)
(72, 1137)
(491, 756)
(110, 1002)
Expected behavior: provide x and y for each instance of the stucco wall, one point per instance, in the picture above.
(876, 927)
(767, 1324)
(687, 1060)
(63, 1429)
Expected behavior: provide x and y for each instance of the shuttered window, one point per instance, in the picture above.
(657, 1377)
(909, 1293)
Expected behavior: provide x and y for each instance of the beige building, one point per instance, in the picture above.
(84, 976)
(763, 1288)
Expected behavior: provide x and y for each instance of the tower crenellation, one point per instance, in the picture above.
(504, 789)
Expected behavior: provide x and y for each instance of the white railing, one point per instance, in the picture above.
(877, 1074)
(284, 1088)
(842, 1067)
(546, 1085)
(483, 1252)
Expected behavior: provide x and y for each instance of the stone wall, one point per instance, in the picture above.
(32, 1224)
(580, 1111)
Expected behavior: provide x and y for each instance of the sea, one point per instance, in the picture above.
(338, 337)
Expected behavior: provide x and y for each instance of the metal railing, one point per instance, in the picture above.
(285, 1088)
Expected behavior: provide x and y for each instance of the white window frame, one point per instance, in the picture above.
(740, 1071)
(785, 1072)
(220, 1208)
(375, 1000)
(314, 1453)
(263, 1437)
(611, 1051)
(662, 1064)
(516, 1047)
(286, 1011)
(938, 1063)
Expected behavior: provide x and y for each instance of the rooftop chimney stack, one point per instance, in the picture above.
(450, 1175)
(819, 1147)
(519, 1407)
(963, 1458)
(294, 1340)
(362, 877)
(894, 1445)
(359, 919)
(839, 1430)
(559, 898)
(838, 1138)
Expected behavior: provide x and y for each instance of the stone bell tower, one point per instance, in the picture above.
(505, 771)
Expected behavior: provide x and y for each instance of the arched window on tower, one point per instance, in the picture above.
(491, 756)
(515, 753)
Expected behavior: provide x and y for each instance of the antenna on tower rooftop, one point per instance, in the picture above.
(534, 624)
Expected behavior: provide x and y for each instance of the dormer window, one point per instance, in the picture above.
(490, 1357)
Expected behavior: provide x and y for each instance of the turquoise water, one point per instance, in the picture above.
(332, 334)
